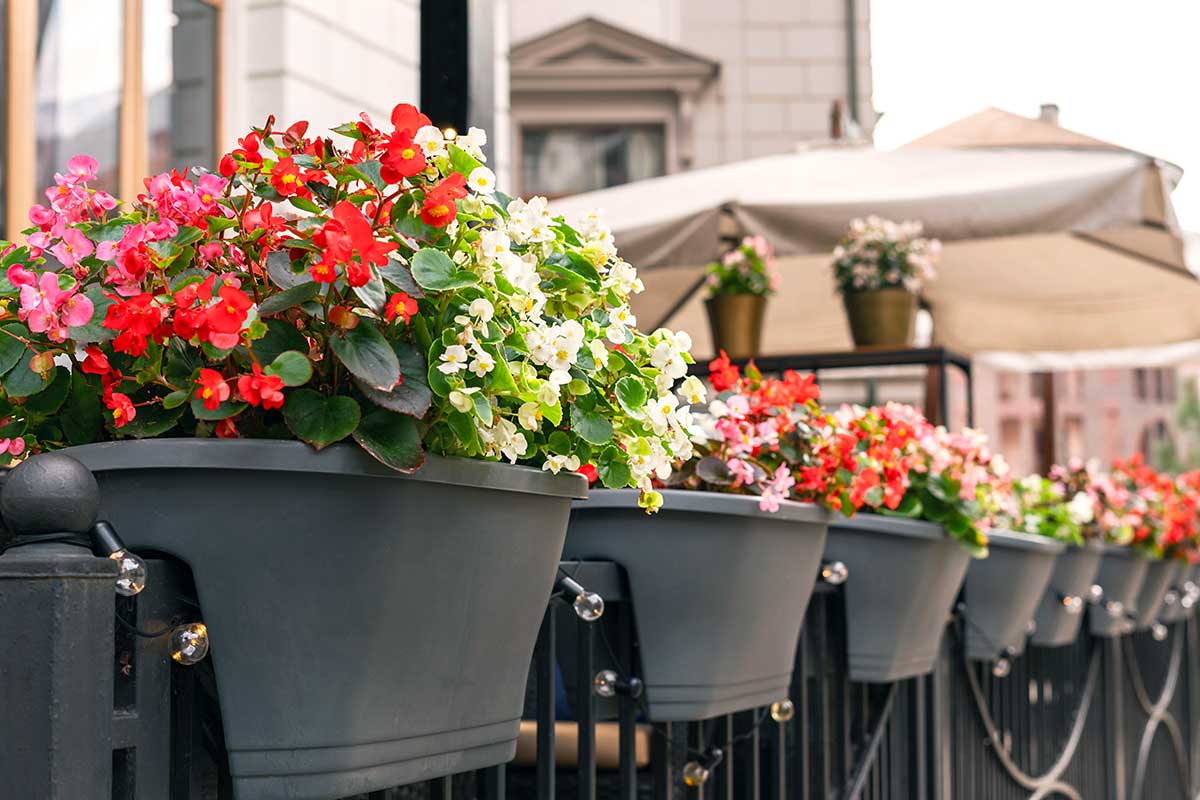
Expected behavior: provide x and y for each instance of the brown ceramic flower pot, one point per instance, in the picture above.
(736, 322)
(881, 318)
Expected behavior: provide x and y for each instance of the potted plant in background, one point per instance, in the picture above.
(880, 267)
(371, 287)
(738, 287)
(1043, 506)
(721, 576)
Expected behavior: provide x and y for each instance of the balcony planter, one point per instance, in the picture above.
(904, 577)
(1074, 573)
(1175, 605)
(1003, 590)
(719, 591)
(1160, 577)
(1122, 571)
(368, 628)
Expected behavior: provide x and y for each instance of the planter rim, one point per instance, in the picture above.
(735, 505)
(1125, 551)
(895, 526)
(1024, 541)
(341, 459)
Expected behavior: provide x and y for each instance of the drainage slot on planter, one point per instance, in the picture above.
(1060, 612)
(1122, 572)
(719, 590)
(904, 577)
(1003, 590)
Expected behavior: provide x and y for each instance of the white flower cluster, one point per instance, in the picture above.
(878, 253)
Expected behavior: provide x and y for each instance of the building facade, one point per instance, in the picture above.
(608, 92)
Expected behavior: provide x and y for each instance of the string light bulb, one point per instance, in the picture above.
(695, 774)
(1158, 632)
(834, 573)
(783, 710)
(1095, 593)
(189, 643)
(588, 606)
(449, 134)
(131, 570)
(1073, 603)
(1115, 608)
(604, 684)
(1001, 667)
(1171, 598)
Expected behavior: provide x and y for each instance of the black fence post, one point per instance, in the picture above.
(57, 605)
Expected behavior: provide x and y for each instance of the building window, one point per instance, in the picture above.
(132, 83)
(179, 62)
(1140, 385)
(567, 160)
(77, 90)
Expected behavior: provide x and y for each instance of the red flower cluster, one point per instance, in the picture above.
(348, 239)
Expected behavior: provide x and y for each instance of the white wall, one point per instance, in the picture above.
(657, 19)
(320, 60)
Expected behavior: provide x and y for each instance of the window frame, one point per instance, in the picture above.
(663, 125)
(20, 189)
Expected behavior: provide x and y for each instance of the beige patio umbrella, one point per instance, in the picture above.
(1064, 244)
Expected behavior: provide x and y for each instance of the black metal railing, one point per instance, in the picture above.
(1101, 718)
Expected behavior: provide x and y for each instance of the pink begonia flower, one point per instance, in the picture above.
(742, 472)
(76, 310)
(83, 168)
(40, 215)
(17, 446)
(777, 489)
(19, 276)
(738, 406)
(106, 251)
(103, 201)
(47, 308)
(209, 189)
(73, 247)
(209, 252)
(163, 229)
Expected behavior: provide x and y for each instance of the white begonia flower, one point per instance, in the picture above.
(559, 377)
(515, 447)
(693, 391)
(659, 412)
(482, 310)
(529, 304)
(623, 277)
(530, 416)
(622, 316)
(461, 401)
(431, 140)
(1081, 510)
(453, 360)
(617, 334)
(520, 271)
(493, 244)
(472, 142)
(667, 358)
(540, 342)
(573, 332)
(663, 383)
(558, 463)
(1030, 483)
(483, 363)
(482, 180)
(472, 204)
(547, 393)
(599, 353)
(717, 409)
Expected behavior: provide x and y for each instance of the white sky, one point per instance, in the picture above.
(1120, 70)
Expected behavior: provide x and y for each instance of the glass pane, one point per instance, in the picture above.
(77, 87)
(179, 68)
(560, 161)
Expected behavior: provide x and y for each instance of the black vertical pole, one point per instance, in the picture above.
(543, 658)
(57, 611)
(445, 63)
(662, 761)
(626, 708)
(585, 711)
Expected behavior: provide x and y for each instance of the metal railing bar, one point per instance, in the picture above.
(585, 711)
(544, 654)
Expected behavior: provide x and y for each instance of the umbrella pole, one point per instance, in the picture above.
(1047, 456)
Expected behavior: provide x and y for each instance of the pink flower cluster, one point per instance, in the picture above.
(46, 307)
(964, 456)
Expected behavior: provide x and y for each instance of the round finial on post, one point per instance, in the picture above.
(49, 493)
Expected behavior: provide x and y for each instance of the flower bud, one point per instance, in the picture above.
(42, 362)
(343, 317)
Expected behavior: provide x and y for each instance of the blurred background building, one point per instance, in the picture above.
(576, 95)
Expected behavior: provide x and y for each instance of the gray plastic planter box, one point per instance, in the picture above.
(719, 591)
(368, 629)
(1075, 571)
(1002, 592)
(904, 577)
(1174, 608)
(1122, 571)
(1160, 577)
